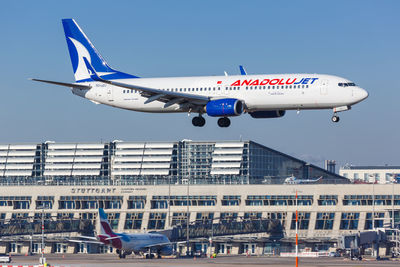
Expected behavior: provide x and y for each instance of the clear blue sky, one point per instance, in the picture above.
(359, 40)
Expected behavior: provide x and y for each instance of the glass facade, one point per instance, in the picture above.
(149, 163)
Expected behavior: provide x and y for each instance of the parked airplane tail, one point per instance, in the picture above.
(80, 47)
(105, 227)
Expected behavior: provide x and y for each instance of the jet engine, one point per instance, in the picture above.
(224, 107)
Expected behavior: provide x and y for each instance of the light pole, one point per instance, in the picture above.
(187, 217)
(42, 258)
(297, 234)
(297, 227)
(169, 201)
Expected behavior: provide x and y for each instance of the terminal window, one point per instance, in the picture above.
(133, 220)
(136, 202)
(327, 200)
(281, 216)
(45, 202)
(204, 217)
(324, 221)
(303, 220)
(113, 218)
(349, 221)
(157, 220)
(378, 220)
(230, 201)
(179, 218)
(228, 217)
(252, 215)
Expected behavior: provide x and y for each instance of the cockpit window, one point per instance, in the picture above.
(346, 84)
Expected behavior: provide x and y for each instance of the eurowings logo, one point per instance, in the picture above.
(81, 71)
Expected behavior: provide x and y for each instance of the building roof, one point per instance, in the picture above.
(385, 167)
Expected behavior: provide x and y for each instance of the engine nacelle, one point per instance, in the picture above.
(224, 107)
(267, 114)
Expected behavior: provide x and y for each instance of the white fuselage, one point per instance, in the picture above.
(276, 92)
(141, 243)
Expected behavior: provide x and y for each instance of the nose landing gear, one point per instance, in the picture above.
(198, 121)
(335, 118)
(224, 122)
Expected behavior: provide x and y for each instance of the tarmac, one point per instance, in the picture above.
(91, 260)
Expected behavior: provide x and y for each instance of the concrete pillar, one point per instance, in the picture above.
(71, 249)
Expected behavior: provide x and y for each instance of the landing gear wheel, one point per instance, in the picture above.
(198, 121)
(224, 122)
(335, 118)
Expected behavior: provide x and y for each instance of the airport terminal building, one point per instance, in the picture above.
(153, 186)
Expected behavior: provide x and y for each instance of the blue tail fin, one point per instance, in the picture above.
(79, 46)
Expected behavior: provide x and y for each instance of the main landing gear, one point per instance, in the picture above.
(224, 122)
(198, 121)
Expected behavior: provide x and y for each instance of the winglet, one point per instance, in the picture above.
(242, 70)
(92, 72)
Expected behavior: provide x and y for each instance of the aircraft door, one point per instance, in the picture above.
(324, 87)
(110, 94)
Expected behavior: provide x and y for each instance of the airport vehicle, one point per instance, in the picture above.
(261, 96)
(126, 244)
(5, 258)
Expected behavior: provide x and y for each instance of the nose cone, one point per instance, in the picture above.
(360, 94)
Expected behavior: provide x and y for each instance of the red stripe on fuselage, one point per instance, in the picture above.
(117, 243)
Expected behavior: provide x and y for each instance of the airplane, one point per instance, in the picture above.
(261, 96)
(126, 244)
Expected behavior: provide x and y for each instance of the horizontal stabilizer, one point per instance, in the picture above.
(70, 85)
(114, 237)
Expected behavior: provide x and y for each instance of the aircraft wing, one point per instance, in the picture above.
(86, 241)
(153, 94)
(158, 245)
(88, 237)
(114, 237)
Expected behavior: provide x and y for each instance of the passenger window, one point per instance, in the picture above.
(306, 86)
(247, 88)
